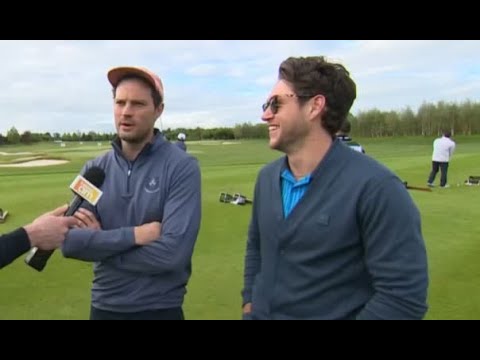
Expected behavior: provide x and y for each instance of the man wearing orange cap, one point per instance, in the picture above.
(142, 233)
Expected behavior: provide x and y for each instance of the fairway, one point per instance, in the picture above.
(450, 222)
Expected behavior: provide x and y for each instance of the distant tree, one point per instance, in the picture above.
(408, 123)
(26, 138)
(250, 131)
(86, 137)
(13, 136)
(224, 134)
(46, 136)
(195, 134)
(93, 135)
(37, 137)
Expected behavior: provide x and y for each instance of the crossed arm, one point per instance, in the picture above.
(149, 248)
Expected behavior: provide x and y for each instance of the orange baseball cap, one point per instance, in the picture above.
(117, 73)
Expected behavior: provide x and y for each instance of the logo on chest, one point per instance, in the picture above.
(152, 185)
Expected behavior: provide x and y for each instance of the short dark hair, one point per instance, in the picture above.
(312, 76)
(447, 133)
(157, 98)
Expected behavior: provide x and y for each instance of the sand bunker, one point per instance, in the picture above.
(15, 154)
(36, 163)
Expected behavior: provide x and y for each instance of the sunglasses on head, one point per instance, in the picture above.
(274, 102)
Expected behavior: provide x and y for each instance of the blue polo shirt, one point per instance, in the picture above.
(292, 190)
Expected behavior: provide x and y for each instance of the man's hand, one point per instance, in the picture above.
(48, 231)
(147, 233)
(60, 211)
(87, 219)
(247, 308)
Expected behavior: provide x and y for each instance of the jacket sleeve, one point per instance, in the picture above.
(96, 245)
(252, 257)
(13, 245)
(395, 252)
(180, 227)
(452, 149)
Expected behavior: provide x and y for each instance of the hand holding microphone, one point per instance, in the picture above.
(48, 231)
(85, 189)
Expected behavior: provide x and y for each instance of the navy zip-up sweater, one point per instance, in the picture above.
(162, 184)
(352, 248)
(13, 245)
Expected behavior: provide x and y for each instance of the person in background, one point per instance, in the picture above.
(181, 141)
(343, 135)
(443, 148)
(333, 234)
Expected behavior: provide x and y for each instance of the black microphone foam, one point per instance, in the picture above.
(38, 258)
(95, 175)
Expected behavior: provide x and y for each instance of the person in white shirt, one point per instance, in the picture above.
(443, 149)
(181, 141)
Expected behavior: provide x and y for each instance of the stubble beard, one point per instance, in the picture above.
(291, 141)
(135, 138)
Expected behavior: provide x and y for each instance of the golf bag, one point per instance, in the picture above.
(236, 199)
(473, 180)
(225, 197)
(3, 215)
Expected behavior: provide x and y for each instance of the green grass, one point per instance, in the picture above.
(62, 291)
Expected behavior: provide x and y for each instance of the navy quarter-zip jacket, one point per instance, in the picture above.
(162, 184)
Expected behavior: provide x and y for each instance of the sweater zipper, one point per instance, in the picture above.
(132, 163)
(129, 163)
(129, 172)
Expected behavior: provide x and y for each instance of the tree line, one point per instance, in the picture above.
(28, 137)
(243, 131)
(429, 120)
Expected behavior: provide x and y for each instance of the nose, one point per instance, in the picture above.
(267, 115)
(127, 109)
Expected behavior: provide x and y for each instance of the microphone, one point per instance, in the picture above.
(85, 188)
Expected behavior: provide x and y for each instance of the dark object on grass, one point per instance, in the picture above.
(473, 180)
(236, 199)
(420, 188)
(3, 215)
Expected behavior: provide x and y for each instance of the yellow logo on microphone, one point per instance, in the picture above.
(86, 190)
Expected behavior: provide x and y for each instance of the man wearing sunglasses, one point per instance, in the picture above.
(333, 234)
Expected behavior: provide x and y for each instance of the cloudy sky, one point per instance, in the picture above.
(61, 86)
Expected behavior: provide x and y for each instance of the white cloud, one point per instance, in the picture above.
(61, 85)
(202, 70)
